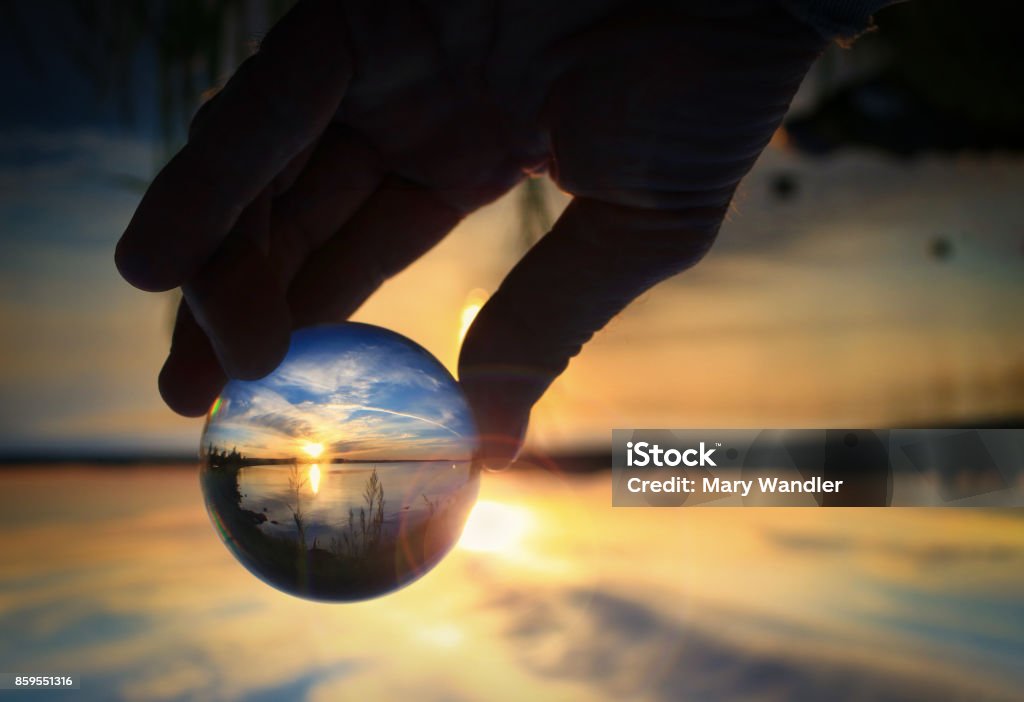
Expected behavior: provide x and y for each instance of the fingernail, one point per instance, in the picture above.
(500, 450)
(493, 464)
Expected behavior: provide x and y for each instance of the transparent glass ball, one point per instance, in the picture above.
(346, 473)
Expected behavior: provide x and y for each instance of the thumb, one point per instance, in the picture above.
(596, 259)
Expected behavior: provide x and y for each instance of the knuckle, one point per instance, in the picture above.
(663, 241)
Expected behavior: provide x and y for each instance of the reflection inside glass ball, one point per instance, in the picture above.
(347, 472)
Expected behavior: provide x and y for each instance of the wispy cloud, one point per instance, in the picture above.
(365, 398)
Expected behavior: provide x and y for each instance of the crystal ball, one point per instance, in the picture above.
(346, 473)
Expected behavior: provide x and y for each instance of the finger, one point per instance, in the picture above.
(274, 107)
(239, 295)
(340, 175)
(696, 101)
(238, 299)
(596, 260)
(395, 226)
(399, 223)
(191, 377)
(286, 177)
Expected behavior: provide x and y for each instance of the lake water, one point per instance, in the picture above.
(118, 576)
(408, 486)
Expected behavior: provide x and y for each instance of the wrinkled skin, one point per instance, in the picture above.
(361, 133)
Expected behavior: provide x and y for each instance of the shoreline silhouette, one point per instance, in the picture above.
(374, 546)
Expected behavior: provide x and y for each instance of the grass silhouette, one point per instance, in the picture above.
(366, 556)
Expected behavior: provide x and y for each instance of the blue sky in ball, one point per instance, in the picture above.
(359, 391)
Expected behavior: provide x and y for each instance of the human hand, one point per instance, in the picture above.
(357, 137)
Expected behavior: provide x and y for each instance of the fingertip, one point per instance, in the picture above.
(141, 270)
(249, 342)
(254, 355)
(238, 303)
(501, 409)
(500, 450)
(190, 386)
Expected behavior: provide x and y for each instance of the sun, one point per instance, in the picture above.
(313, 450)
(495, 527)
(474, 303)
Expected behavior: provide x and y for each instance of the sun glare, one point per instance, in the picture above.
(474, 303)
(495, 527)
(313, 450)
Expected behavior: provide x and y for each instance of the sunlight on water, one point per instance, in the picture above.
(115, 574)
(314, 478)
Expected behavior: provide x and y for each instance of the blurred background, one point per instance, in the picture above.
(871, 273)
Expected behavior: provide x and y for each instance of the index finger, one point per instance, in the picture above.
(274, 106)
